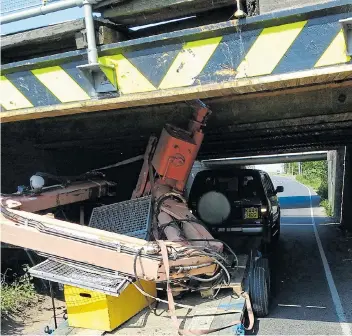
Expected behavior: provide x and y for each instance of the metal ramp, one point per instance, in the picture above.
(88, 276)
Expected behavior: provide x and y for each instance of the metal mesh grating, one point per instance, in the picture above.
(131, 218)
(9, 6)
(86, 276)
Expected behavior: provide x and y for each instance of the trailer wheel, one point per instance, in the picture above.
(259, 287)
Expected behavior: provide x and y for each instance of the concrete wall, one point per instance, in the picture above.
(335, 180)
(346, 214)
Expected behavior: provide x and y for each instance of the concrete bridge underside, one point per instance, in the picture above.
(266, 122)
(310, 118)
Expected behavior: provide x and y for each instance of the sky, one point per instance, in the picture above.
(43, 20)
(271, 168)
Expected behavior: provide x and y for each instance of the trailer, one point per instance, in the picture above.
(224, 310)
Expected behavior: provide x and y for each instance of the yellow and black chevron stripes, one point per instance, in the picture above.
(335, 53)
(128, 77)
(44, 86)
(186, 67)
(10, 97)
(60, 84)
(269, 48)
(189, 63)
(263, 57)
(279, 49)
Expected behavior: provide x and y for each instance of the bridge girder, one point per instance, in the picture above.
(297, 48)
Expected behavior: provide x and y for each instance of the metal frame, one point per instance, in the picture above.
(107, 254)
(90, 277)
(347, 29)
(42, 10)
(92, 71)
(131, 218)
(75, 192)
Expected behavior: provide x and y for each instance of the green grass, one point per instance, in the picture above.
(17, 295)
(314, 183)
(318, 186)
(327, 206)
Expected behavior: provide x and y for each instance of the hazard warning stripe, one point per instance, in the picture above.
(335, 53)
(10, 97)
(37, 93)
(60, 84)
(268, 49)
(128, 77)
(189, 63)
(286, 48)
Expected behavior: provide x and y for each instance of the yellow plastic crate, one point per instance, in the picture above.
(96, 310)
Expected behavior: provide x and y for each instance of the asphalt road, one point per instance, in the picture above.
(311, 270)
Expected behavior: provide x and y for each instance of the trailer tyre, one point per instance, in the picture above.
(264, 263)
(259, 288)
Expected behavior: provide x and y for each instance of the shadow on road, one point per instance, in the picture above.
(298, 202)
(291, 220)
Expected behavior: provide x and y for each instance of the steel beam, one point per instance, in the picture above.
(295, 49)
(65, 244)
(268, 159)
(76, 192)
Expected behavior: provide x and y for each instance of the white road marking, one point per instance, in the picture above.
(326, 224)
(333, 290)
(299, 306)
(288, 305)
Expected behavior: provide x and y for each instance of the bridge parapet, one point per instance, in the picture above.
(295, 48)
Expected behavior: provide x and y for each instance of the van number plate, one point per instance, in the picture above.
(250, 213)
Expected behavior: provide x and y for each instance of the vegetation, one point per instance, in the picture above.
(314, 183)
(327, 206)
(315, 175)
(16, 295)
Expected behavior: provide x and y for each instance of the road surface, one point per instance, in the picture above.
(312, 270)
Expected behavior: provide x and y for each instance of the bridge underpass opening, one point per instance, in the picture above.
(312, 259)
(72, 145)
(325, 172)
(310, 118)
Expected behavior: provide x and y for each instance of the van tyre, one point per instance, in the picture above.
(259, 287)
